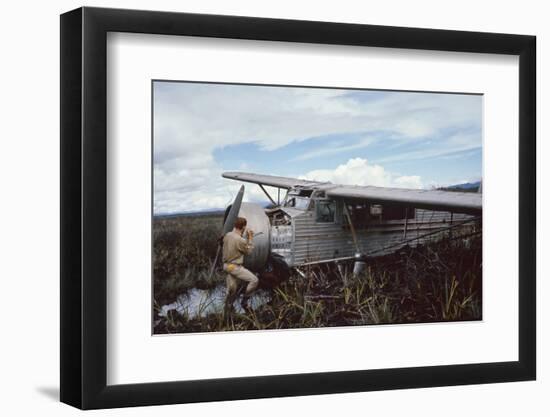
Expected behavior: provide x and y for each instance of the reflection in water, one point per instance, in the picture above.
(199, 303)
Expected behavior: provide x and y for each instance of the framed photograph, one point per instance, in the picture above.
(257, 208)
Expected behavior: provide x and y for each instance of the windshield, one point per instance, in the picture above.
(300, 203)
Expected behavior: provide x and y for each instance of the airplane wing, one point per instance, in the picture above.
(270, 180)
(461, 202)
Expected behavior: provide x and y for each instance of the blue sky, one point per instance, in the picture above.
(364, 137)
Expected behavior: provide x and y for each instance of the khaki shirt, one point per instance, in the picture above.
(235, 247)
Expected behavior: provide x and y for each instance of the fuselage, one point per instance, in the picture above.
(309, 228)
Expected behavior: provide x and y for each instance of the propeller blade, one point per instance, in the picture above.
(233, 212)
(213, 268)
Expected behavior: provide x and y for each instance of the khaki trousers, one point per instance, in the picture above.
(239, 272)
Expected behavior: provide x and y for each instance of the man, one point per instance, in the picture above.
(235, 246)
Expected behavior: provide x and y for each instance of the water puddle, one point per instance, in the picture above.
(199, 303)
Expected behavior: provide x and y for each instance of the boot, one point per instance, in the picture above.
(244, 302)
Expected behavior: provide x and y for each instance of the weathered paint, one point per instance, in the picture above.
(306, 240)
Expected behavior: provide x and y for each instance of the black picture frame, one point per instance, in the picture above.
(84, 207)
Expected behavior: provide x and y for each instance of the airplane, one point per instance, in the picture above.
(320, 222)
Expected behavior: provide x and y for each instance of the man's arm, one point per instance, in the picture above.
(245, 246)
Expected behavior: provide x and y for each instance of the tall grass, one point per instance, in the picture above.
(183, 251)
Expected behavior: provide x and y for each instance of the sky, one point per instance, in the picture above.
(362, 137)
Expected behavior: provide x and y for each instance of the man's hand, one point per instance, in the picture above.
(249, 234)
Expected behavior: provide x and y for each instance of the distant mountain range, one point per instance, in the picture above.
(468, 186)
(208, 212)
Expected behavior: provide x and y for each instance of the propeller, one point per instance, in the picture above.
(233, 212)
(228, 225)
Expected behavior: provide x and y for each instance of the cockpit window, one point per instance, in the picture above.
(325, 211)
(299, 203)
(303, 192)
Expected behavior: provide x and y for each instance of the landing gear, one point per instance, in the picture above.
(359, 264)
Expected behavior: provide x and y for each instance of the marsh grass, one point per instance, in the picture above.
(183, 250)
(433, 283)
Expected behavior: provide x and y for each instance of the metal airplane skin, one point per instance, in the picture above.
(317, 222)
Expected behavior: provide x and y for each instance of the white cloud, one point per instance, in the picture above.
(358, 171)
(204, 189)
(192, 120)
(454, 144)
(316, 153)
(408, 181)
(202, 117)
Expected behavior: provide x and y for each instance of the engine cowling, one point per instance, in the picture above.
(257, 221)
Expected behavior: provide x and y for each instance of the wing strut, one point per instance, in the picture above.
(352, 228)
(267, 194)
